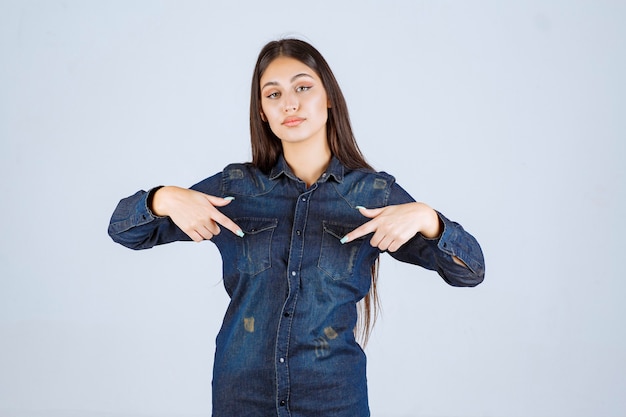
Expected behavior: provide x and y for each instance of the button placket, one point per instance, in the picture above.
(296, 251)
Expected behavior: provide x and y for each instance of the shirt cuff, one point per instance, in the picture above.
(455, 241)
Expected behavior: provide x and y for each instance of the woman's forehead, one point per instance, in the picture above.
(283, 69)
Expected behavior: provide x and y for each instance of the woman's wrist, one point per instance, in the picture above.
(156, 204)
(433, 226)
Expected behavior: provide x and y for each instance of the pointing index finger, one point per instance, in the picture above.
(221, 218)
(360, 231)
(229, 224)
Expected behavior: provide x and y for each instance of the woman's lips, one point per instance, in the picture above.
(293, 121)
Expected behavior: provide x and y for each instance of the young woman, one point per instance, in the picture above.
(306, 221)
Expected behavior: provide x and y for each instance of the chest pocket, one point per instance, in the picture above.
(338, 260)
(255, 248)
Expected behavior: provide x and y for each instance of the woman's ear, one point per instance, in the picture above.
(263, 116)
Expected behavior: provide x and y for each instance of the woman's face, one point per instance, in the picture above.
(294, 101)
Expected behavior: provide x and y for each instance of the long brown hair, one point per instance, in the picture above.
(266, 147)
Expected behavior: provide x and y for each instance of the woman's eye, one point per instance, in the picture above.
(303, 88)
(273, 95)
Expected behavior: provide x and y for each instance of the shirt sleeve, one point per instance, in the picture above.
(436, 254)
(134, 226)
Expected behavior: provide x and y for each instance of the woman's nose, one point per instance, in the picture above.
(291, 103)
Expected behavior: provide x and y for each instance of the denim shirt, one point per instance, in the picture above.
(286, 346)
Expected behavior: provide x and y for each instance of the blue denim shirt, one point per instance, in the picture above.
(286, 346)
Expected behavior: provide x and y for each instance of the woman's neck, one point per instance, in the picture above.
(307, 161)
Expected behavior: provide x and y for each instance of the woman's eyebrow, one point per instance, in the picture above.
(295, 77)
(302, 74)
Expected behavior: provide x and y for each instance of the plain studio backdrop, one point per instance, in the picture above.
(506, 116)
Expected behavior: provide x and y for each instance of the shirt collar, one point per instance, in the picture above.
(335, 169)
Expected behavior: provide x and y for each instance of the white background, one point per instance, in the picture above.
(506, 116)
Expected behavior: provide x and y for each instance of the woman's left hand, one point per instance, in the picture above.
(393, 226)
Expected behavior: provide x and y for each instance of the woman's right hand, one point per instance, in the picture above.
(195, 213)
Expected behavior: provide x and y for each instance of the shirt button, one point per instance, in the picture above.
(293, 273)
(303, 198)
(282, 403)
(298, 232)
(286, 314)
(282, 360)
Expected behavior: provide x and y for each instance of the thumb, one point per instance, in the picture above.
(370, 213)
(219, 201)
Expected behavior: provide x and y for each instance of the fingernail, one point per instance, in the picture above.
(343, 240)
(360, 207)
(230, 198)
(240, 233)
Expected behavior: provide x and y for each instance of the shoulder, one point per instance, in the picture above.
(375, 179)
(239, 171)
(366, 187)
(245, 179)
